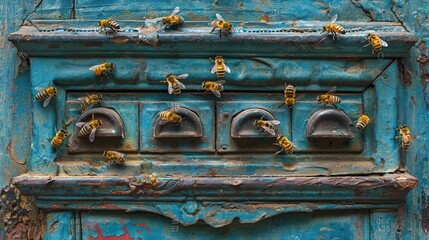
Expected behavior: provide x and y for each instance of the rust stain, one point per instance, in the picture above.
(100, 236)
(53, 227)
(425, 212)
(54, 45)
(143, 226)
(424, 75)
(413, 100)
(195, 17)
(406, 73)
(93, 44)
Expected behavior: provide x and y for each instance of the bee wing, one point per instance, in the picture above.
(182, 76)
(39, 88)
(333, 89)
(383, 43)
(181, 85)
(213, 69)
(88, 107)
(170, 88)
(334, 18)
(227, 68)
(221, 82)
(273, 122)
(269, 130)
(295, 146)
(216, 93)
(175, 11)
(94, 67)
(92, 135)
(82, 99)
(47, 100)
(219, 17)
(80, 124)
(163, 121)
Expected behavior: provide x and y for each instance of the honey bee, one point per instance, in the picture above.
(114, 157)
(89, 128)
(285, 144)
(220, 67)
(46, 95)
(174, 85)
(100, 69)
(168, 116)
(221, 24)
(89, 101)
(362, 121)
(59, 138)
(328, 98)
(214, 87)
(108, 23)
(267, 125)
(405, 137)
(333, 28)
(172, 20)
(289, 96)
(376, 42)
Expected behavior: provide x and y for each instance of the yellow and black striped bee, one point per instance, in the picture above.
(59, 138)
(100, 69)
(267, 125)
(285, 144)
(174, 85)
(362, 122)
(221, 24)
(114, 157)
(173, 20)
(220, 67)
(333, 28)
(89, 101)
(169, 116)
(289, 95)
(46, 95)
(89, 128)
(214, 87)
(328, 98)
(376, 42)
(108, 23)
(405, 137)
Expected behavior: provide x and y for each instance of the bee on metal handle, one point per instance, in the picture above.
(114, 157)
(108, 23)
(285, 144)
(169, 116)
(46, 94)
(405, 137)
(89, 128)
(174, 85)
(289, 96)
(89, 101)
(333, 28)
(220, 67)
(100, 69)
(59, 138)
(268, 126)
(376, 42)
(214, 87)
(362, 122)
(221, 24)
(173, 20)
(328, 98)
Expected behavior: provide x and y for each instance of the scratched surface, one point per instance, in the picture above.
(413, 99)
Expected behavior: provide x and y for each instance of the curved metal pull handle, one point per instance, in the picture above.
(190, 127)
(242, 123)
(112, 125)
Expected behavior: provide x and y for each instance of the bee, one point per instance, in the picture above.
(108, 23)
(46, 95)
(114, 157)
(362, 121)
(174, 85)
(405, 137)
(285, 144)
(289, 95)
(172, 20)
(220, 67)
(267, 125)
(333, 28)
(328, 98)
(100, 69)
(221, 24)
(59, 138)
(168, 116)
(376, 42)
(89, 101)
(89, 128)
(214, 87)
